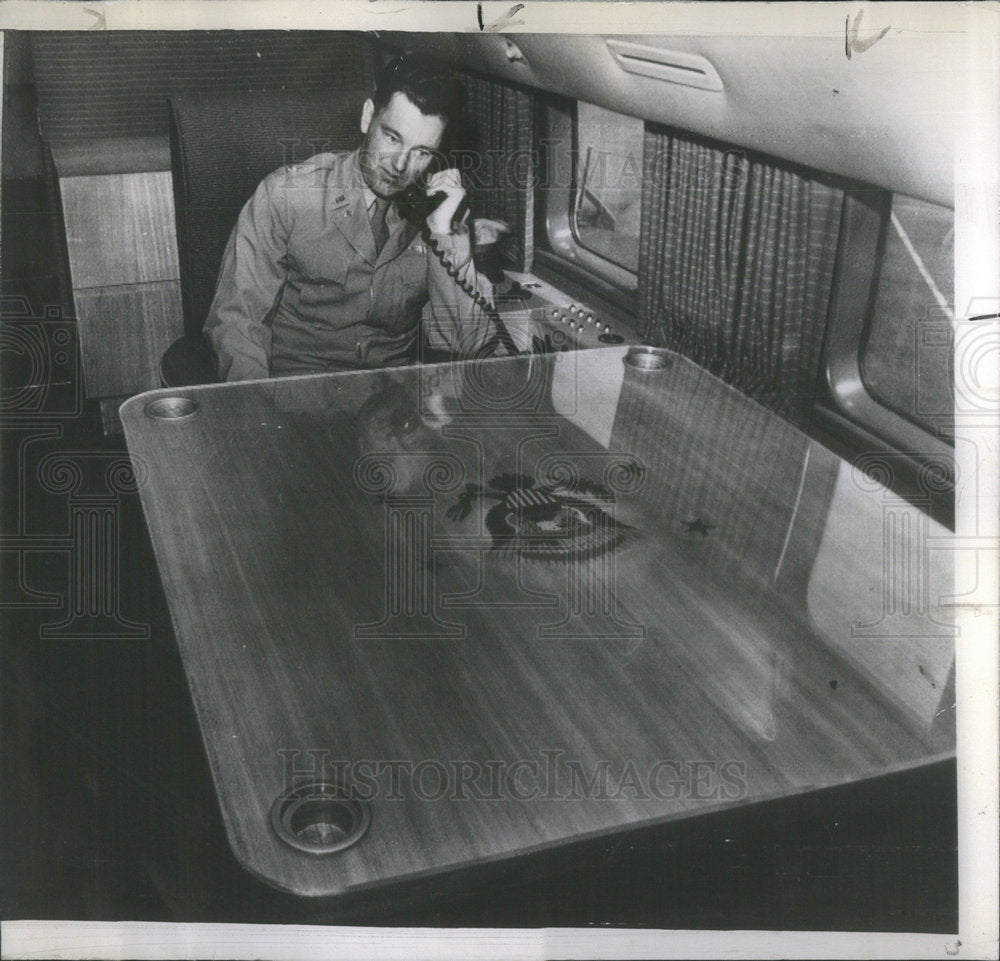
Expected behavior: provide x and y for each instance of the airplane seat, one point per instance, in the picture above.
(221, 146)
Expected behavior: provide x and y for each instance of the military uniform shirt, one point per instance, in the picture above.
(302, 290)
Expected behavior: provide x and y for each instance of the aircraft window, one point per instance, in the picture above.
(608, 184)
(906, 356)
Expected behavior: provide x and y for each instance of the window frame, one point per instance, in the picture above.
(861, 244)
(847, 417)
(559, 129)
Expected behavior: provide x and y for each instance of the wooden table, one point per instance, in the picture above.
(469, 611)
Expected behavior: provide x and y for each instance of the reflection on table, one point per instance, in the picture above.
(445, 614)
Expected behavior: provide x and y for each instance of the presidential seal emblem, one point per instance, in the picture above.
(556, 522)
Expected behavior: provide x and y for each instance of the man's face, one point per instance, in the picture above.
(400, 141)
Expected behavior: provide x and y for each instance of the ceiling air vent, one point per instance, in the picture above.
(688, 69)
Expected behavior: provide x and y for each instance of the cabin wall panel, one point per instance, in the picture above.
(124, 332)
(122, 248)
(120, 229)
(116, 85)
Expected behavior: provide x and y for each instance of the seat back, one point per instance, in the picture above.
(221, 146)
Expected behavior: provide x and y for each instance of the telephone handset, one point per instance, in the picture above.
(416, 206)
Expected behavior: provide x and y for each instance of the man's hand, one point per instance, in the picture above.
(486, 231)
(448, 182)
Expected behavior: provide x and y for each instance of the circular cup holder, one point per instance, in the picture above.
(319, 818)
(648, 358)
(171, 408)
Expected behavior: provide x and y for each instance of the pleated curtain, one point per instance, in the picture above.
(495, 156)
(736, 264)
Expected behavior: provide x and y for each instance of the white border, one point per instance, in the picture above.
(736, 19)
(977, 508)
(98, 939)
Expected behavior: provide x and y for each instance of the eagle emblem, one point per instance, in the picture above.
(555, 522)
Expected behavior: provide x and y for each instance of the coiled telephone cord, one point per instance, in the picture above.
(502, 333)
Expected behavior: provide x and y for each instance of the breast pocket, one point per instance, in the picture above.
(399, 291)
(412, 266)
(318, 283)
(318, 263)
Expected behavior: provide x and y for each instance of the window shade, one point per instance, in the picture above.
(736, 261)
(495, 148)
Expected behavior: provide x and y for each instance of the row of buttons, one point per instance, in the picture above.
(552, 311)
(580, 319)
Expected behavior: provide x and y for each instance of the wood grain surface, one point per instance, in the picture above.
(338, 599)
(124, 332)
(120, 228)
(887, 602)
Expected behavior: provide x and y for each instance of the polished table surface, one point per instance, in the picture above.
(503, 605)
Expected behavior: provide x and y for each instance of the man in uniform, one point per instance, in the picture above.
(323, 272)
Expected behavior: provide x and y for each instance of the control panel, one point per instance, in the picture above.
(541, 317)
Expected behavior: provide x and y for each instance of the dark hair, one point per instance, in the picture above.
(429, 85)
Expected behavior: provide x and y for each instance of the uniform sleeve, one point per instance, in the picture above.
(250, 284)
(456, 322)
